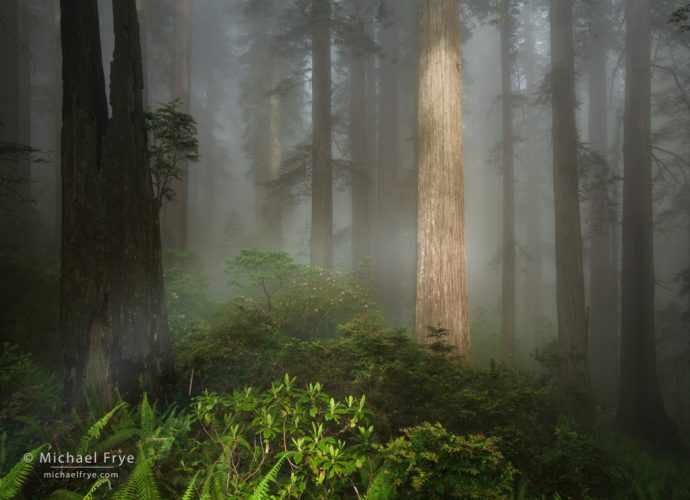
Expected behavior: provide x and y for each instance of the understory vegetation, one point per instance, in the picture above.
(294, 388)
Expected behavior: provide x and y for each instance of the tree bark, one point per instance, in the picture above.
(361, 178)
(322, 171)
(111, 314)
(641, 411)
(174, 214)
(441, 265)
(570, 291)
(508, 278)
(602, 336)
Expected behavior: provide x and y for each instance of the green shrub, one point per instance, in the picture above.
(429, 462)
(298, 300)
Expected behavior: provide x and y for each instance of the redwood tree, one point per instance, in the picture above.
(322, 172)
(112, 314)
(641, 411)
(570, 289)
(441, 264)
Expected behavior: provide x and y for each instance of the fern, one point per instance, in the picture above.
(95, 430)
(65, 495)
(12, 483)
(148, 418)
(261, 491)
(96, 486)
(189, 492)
(141, 483)
(382, 487)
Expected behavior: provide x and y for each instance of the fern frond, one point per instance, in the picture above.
(148, 418)
(189, 492)
(141, 483)
(95, 486)
(95, 430)
(382, 487)
(261, 492)
(12, 483)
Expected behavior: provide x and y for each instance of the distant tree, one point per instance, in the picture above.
(603, 334)
(509, 243)
(387, 227)
(570, 288)
(680, 18)
(441, 264)
(174, 216)
(15, 129)
(112, 314)
(173, 144)
(641, 412)
(321, 242)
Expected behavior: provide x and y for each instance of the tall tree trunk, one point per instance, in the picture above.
(322, 171)
(570, 289)
(641, 411)
(15, 189)
(361, 179)
(508, 288)
(388, 221)
(111, 313)
(602, 337)
(270, 209)
(441, 264)
(534, 280)
(175, 213)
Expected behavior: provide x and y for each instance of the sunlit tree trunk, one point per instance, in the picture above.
(174, 214)
(602, 336)
(357, 134)
(322, 172)
(441, 267)
(112, 315)
(508, 288)
(388, 221)
(570, 290)
(641, 411)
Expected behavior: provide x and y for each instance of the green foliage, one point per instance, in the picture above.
(428, 462)
(12, 483)
(172, 141)
(485, 334)
(245, 437)
(29, 396)
(29, 307)
(298, 300)
(186, 290)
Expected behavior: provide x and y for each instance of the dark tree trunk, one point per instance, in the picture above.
(15, 187)
(361, 177)
(175, 213)
(441, 264)
(508, 288)
(570, 290)
(602, 336)
(388, 221)
(322, 172)
(641, 411)
(111, 314)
